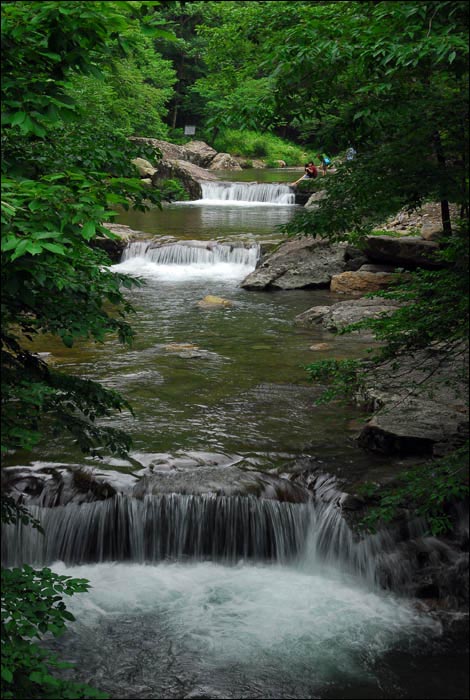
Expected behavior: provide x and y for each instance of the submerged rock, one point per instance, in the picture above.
(210, 301)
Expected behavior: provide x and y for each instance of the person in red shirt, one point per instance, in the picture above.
(310, 172)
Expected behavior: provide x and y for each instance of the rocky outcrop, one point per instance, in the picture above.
(362, 281)
(224, 161)
(200, 153)
(419, 403)
(299, 263)
(168, 151)
(146, 169)
(337, 316)
(314, 199)
(426, 220)
(122, 236)
(408, 252)
(188, 174)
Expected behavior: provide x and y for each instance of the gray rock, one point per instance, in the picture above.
(373, 267)
(145, 168)
(409, 252)
(419, 402)
(187, 173)
(224, 161)
(312, 202)
(337, 316)
(302, 262)
(168, 151)
(200, 153)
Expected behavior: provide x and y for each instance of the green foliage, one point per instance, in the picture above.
(393, 79)
(59, 186)
(54, 282)
(311, 185)
(173, 190)
(426, 490)
(253, 144)
(32, 607)
(343, 376)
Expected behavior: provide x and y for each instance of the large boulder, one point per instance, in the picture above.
(169, 151)
(200, 153)
(187, 173)
(337, 316)
(419, 402)
(409, 252)
(298, 263)
(224, 161)
(146, 169)
(362, 281)
(314, 199)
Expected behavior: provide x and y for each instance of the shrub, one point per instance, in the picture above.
(252, 144)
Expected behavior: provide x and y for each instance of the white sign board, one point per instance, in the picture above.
(189, 130)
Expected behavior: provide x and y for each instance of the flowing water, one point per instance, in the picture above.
(207, 580)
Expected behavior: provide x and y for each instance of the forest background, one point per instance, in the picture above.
(261, 79)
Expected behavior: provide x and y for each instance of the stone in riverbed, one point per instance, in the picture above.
(420, 403)
(224, 161)
(299, 263)
(335, 317)
(361, 282)
(210, 302)
(409, 252)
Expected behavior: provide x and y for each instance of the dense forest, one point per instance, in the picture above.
(271, 80)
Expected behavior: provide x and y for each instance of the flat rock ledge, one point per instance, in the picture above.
(337, 316)
(301, 263)
(409, 252)
(124, 235)
(419, 403)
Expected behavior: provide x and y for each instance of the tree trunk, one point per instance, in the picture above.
(441, 161)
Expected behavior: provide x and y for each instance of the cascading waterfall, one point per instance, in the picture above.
(156, 528)
(192, 253)
(185, 527)
(247, 192)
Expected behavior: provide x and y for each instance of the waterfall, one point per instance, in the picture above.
(181, 527)
(193, 253)
(247, 192)
(171, 526)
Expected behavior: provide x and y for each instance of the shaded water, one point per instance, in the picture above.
(227, 380)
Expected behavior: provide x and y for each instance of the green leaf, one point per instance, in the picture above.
(88, 230)
(7, 675)
(18, 118)
(54, 248)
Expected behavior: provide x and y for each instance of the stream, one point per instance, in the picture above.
(243, 597)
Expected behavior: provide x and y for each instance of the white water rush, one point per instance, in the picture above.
(204, 630)
(246, 193)
(187, 260)
(219, 597)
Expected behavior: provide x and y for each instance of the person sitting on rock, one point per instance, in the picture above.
(310, 172)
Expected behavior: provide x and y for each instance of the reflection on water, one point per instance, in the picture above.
(206, 222)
